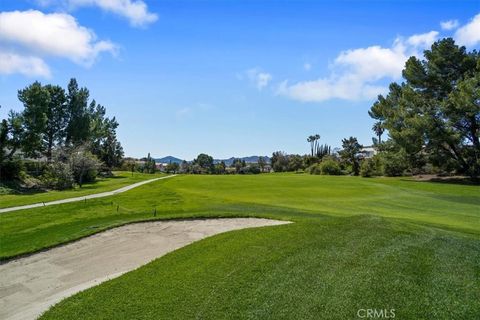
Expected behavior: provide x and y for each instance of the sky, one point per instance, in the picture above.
(227, 78)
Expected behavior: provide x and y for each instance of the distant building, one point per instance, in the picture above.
(368, 151)
(161, 166)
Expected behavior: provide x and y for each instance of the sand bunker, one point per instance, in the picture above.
(30, 285)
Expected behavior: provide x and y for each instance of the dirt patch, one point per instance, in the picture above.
(30, 285)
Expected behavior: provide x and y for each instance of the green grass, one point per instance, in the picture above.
(120, 179)
(356, 243)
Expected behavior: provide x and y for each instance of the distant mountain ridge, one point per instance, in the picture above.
(228, 162)
(169, 159)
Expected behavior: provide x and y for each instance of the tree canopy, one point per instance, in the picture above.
(435, 114)
(53, 118)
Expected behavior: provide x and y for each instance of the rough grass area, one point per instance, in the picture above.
(315, 269)
(10, 197)
(384, 243)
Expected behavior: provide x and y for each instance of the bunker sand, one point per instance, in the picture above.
(30, 285)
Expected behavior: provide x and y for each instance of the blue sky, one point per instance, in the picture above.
(228, 78)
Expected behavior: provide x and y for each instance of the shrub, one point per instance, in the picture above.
(394, 164)
(58, 176)
(326, 167)
(84, 166)
(34, 167)
(368, 168)
(12, 170)
(330, 167)
(252, 169)
(314, 169)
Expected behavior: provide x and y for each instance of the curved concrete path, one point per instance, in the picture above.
(30, 285)
(90, 196)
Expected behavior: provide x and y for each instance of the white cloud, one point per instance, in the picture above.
(135, 11)
(54, 34)
(345, 88)
(357, 74)
(374, 62)
(423, 40)
(449, 25)
(469, 34)
(11, 63)
(258, 78)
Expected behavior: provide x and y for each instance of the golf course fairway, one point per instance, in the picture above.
(355, 244)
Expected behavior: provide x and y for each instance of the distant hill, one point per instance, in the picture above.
(169, 159)
(251, 159)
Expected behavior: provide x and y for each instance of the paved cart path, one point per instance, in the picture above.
(30, 285)
(82, 198)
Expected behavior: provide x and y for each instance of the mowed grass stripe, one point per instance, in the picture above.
(279, 196)
(314, 269)
(356, 243)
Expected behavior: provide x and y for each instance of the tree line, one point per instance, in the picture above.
(66, 129)
(432, 120)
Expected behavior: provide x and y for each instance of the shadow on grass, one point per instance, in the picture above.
(446, 180)
(16, 188)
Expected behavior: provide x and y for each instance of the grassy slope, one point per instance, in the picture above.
(343, 253)
(316, 269)
(120, 179)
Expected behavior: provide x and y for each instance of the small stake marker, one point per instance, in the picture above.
(155, 212)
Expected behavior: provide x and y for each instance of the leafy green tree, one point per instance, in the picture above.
(295, 162)
(368, 168)
(78, 128)
(11, 134)
(128, 164)
(103, 137)
(262, 163)
(35, 99)
(220, 167)
(205, 162)
(149, 165)
(185, 167)
(279, 161)
(253, 168)
(84, 165)
(436, 112)
(351, 153)
(55, 127)
(172, 167)
(238, 164)
(329, 166)
(3, 140)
